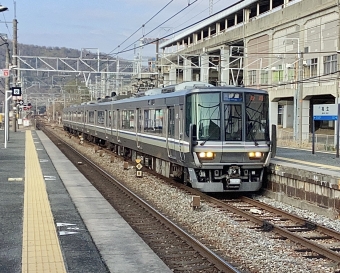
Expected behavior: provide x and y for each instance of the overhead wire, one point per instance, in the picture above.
(6, 24)
(141, 26)
(124, 50)
(189, 19)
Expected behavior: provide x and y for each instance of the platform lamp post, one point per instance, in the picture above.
(3, 8)
(8, 96)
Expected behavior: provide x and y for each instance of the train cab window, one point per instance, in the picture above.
(204, 111)
(100, 117)
(257, 124)
(233, 122)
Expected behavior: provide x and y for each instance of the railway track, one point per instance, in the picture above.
(177, 248)
(316, 241)
(311, 241)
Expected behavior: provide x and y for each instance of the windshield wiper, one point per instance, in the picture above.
(250, 132)
(215, 129)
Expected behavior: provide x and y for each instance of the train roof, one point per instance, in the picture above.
(178, 90)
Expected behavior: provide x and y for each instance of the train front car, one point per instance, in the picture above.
(229, 136)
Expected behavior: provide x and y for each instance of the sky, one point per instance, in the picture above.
(105, 26)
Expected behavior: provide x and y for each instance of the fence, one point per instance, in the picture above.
(323, 142)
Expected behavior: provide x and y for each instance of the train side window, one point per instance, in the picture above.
(91, 117)
(153, 121)
(131, 119)
(140, 120)
(171, 122)
(159, 121)
(100, 117)
(109, 119)
(128, 119)
(114, 119)
(148, 121)
(73, 116)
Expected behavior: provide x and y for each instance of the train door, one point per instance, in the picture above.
(118, 126)
(106, 124)
(86, 121)
(170, 136)
(110, 121)
(181, 132)
(95, 122)
(139, 122)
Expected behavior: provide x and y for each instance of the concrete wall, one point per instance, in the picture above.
(305, 188)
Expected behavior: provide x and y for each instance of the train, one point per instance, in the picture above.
(214, 139)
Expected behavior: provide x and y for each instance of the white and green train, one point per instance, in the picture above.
(217, 139)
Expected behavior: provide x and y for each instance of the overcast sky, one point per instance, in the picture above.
(109, 26)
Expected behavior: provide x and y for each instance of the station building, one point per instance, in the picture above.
(288, 47)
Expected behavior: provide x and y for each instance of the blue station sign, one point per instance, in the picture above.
(325, 112)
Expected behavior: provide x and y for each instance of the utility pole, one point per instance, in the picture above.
(337, 123)
(298, 99)
(211, 5)
(7, 85)
(15, 65)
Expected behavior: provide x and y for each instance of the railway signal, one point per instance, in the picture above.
(139, 167)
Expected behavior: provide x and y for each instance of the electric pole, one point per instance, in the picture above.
(211, 4)
(15, 65)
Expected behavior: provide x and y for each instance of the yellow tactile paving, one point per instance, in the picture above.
(41, 251)
(309, 163)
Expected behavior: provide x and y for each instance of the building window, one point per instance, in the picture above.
(291, 74)
(311, 68)
(330, 64)
(264, 77)
(252, 77)
(277, 74)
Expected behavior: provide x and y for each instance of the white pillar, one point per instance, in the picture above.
(305, 119)
(204, 58)
(224, 75)
(273, 110)
(288, 116)
(172, 75)
(187, 70)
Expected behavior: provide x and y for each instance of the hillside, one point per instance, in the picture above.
(47, 80)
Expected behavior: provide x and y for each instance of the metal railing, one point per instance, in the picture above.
(323, 142)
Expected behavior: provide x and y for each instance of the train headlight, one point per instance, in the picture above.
(206, 155)
(255, 155)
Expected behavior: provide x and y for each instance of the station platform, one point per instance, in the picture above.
(54, 220)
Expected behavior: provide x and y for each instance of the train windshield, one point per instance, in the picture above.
(204, 110)
(241, 117)
(251, 126)
(257, 113)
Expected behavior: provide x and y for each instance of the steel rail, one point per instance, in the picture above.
(219, 262)
(321, 250)
(295, 218)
